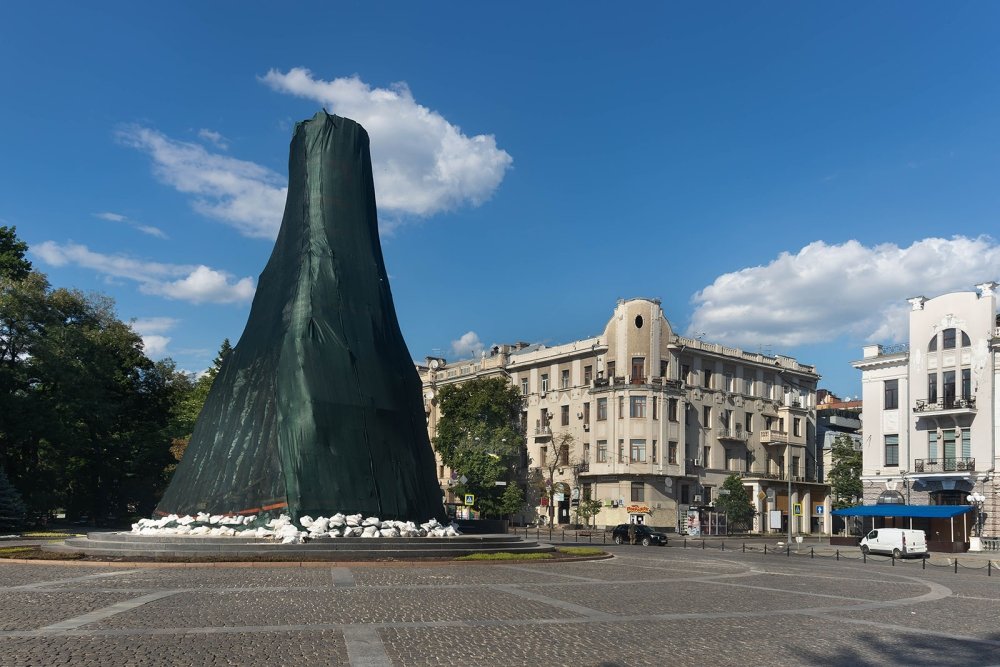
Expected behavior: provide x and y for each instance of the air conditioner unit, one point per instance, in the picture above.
(696, 498)
(541, 394)
(697, 462)
(586, 427)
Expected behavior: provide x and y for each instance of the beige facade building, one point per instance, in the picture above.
(931, 414)
(651, 423)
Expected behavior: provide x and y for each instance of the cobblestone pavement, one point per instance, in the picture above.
(646, 606)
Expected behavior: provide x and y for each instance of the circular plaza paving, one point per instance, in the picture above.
(645, 606)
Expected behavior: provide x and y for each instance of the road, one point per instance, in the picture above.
(645, 606)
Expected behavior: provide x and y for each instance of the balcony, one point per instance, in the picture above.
(542, 432)
(738, 435)
(949, 405)
(772, 437)
(778, 476)
(963, 464)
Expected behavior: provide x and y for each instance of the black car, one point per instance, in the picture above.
(643, 535)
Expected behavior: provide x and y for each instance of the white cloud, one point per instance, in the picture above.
(155, 346)
(240, 193)
(214, 138)
(145, 229)
(194, 283)
(826, 291)
(467, 346)
(151, 329)
(422, 163)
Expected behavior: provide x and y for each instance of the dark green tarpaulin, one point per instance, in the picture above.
(318, 409)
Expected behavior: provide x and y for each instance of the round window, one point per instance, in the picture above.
(638, 321)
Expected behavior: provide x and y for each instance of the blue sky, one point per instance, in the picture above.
(781, 175)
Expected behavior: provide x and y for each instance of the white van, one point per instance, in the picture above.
(899, 542)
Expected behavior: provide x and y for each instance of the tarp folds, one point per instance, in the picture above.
(318, 409)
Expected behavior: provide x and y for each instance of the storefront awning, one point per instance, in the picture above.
(914, 511)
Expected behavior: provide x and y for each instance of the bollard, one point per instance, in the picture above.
(605, 536)
(550, 532)
(744, 547)
(685, 543)
(838, 554)
(525, 531)
(864, 557)
(989, 568)
(788, 550)
(576, 535)
(590, 537)
(956, 566)
(811, 554)
(537, 534)
(564, 535)
(723, 546)
(703, 545)
(765, 549)
(923, 562)
(894, 560)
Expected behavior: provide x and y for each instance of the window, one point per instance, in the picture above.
(966, 443)
(672, 409)
(564, 415)
(621, 451)
(707, 379)
(748, 422)
(685, 373)
(544, 418)
(654, 452)
(795, 466)
(663, 368)
(748, 382)
(545, 381)
(656, 402)
(932, 345)
(611, 369)
(727, 419)
(637, 407)
(706, 453)
(542, 455)
(588, 374)
(524, 386)
(966, 383)
(637, 451)
(638, 369)
(621, 407)
(706, 493)
(586, 412)
(602, 409)
(768, 387)
(586, 452)
(706, 417)
(602, 451)
(892, 451)
(796, 427)
(948, 445)
(563, 459)
(932, 442)
(965, 340)
(685, 494)
(672, 452)
(564, 379)
(948, 339)
(891, 395)
(588, 491)
(932, 387)
(948, 387)
(730, 382)
(638, 492)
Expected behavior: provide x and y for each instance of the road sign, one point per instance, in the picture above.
(723, 492)
(761, 495)
(820, 509)
(558, 497)
(463, 479)
(796, 509)
(470, 499)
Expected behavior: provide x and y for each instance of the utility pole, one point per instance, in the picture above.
(788, 465)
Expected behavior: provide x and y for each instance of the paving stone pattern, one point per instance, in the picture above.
(646, 606)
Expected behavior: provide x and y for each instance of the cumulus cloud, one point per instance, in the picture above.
(422, 163)
(151, 329)
(468, 345)
(826, 291)
(214, 138)
(145, 229)
(240, 193)
(184, 282)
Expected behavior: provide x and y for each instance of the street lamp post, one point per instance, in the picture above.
(788, 465)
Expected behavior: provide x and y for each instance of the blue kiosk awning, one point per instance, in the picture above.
(911, 511)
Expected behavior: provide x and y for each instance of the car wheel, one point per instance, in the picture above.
(618, 539)
(646, 542)
(896, 553)
(864, 550)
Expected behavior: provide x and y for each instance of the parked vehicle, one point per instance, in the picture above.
(899, 542)
(643, 535)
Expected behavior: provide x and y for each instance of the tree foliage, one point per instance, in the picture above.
(845, 472)
(737, 504)
(478, 437)
(12, 509)
(13, 265)
(84, 414)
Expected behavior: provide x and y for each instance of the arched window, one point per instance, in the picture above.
(891, 498)
(948, 339)
(965, 340)
(932, 346)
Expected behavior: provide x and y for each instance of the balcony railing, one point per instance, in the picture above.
(733, 434)
(924, 405)
(961, 464)
(773, 437)
(543, 431)
(755, 474)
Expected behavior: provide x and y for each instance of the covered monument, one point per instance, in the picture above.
(318, 408)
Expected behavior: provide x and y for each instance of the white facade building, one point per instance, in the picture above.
(931, 414)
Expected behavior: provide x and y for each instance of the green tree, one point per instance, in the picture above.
(478, 436)
(845, 472)
(190, 397)
(588, 509)
(511, 500)
(13, 265)
(737, 505)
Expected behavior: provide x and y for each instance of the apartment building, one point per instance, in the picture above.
(652, 423)
(931, 414)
